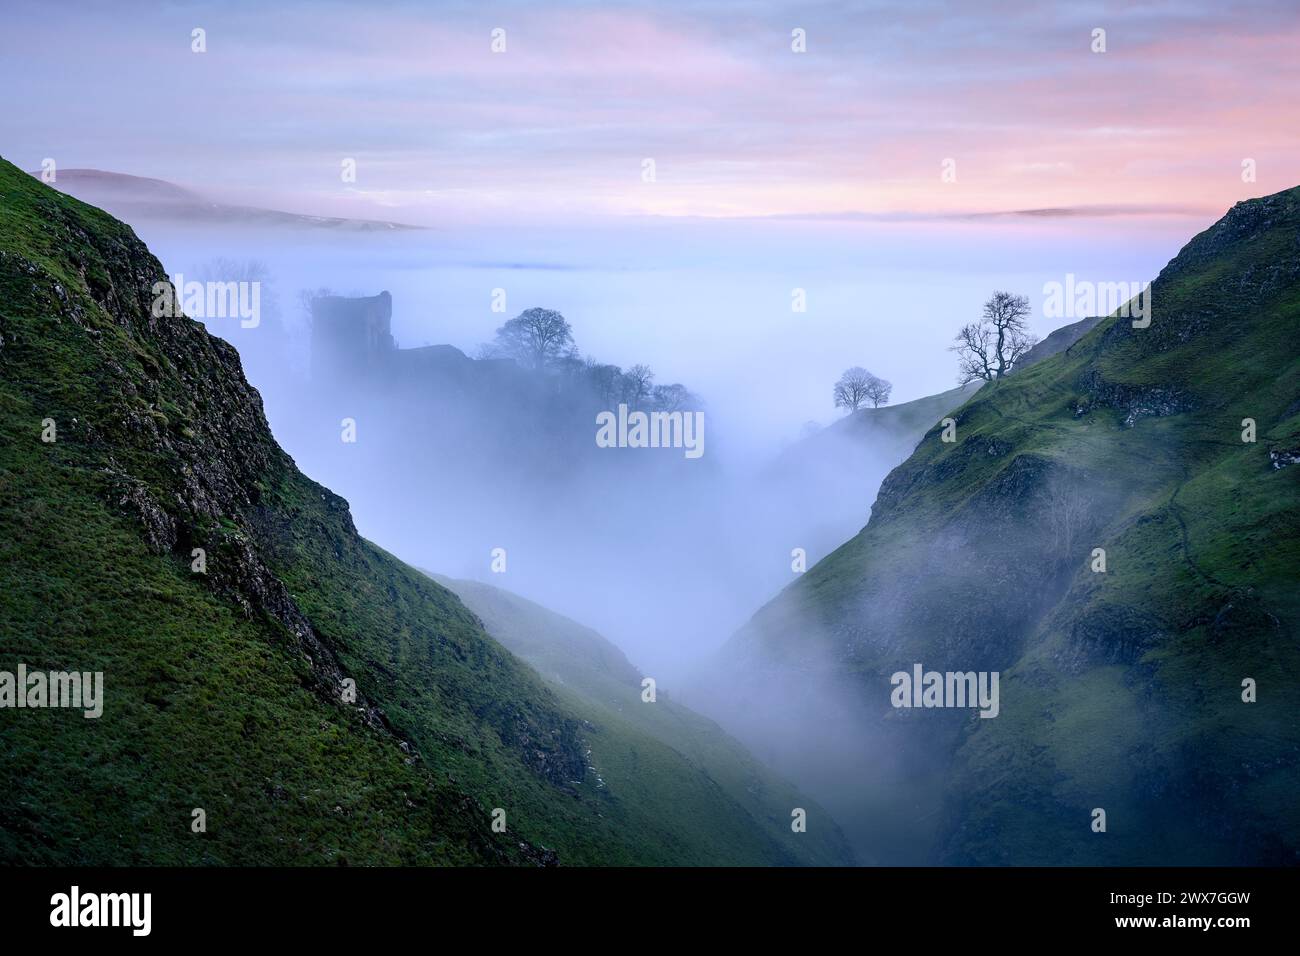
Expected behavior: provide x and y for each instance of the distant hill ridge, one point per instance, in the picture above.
(141, 198)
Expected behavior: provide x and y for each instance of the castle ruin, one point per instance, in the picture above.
(352, 344)
(350, 336)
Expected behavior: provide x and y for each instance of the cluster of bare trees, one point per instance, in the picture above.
(634, 387)
(986, 350)
(857, 387)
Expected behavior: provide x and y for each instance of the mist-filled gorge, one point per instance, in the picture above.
(453, 456)
(390, 384)
(606, 535)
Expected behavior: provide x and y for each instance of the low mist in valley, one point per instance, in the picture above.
(667, 556)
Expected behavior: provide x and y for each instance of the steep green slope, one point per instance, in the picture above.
(577, 661)
(225, 690)
(1120, 690)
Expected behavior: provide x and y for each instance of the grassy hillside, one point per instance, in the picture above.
(225, 689)
(1121, 689)
(578, 662)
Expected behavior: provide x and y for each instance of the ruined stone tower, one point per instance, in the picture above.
(350, 338)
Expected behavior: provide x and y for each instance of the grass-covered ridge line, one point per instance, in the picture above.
(224, 689)
(1120, 690)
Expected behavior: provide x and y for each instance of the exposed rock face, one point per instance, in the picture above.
(1244, 222)
(1281, 458)
(212, 439)
(1135, 401)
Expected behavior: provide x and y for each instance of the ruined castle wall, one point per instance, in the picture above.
(351, 338)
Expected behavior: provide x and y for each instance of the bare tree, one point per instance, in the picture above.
(878, 391)
(853, 390)
(991, 347)
(605, 381)
(536, 338)
(638, 382)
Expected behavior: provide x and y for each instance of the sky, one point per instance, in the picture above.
(913, 158)
(1009, 98)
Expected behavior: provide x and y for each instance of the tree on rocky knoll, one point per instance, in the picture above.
(990, 348)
